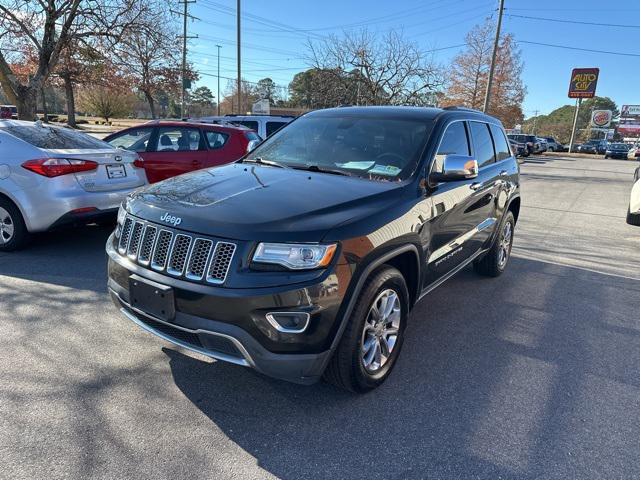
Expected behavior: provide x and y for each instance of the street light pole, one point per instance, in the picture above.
(239, 71)
(218, 94)
(487, 96)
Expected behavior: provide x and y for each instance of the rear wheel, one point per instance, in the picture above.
(496, 259)
(371, 342)
(13, 232)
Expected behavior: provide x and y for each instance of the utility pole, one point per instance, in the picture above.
(575, 121)
(487, 96)
(535, 120)
(185, 37)
(239, 63)
(218, 97)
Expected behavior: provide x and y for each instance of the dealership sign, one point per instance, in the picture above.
(629, 120)
(601, 118)
(583, 82)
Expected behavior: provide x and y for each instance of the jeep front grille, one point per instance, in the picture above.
(175, 253)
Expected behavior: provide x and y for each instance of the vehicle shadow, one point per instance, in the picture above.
(54, 257)
(531, 375)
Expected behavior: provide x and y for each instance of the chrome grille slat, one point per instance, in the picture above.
(177, 253)
(198, 259)
(125, 235)
(161, 252)
(148, 242)
(134, 242)
(221, 261)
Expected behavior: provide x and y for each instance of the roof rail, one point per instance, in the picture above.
(464, 109)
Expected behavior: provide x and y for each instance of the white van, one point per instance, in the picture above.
(264, 125)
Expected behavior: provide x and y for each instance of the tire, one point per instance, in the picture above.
(495, 261)
(13, 232)
(348, 368)
(633, 218)
(606, 157)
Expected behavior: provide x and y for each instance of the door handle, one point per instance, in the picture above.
(504, 173)
(195, 163)
(476, 186)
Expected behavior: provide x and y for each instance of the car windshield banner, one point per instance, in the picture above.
(583, 82)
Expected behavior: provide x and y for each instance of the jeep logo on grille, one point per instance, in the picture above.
(175, 221)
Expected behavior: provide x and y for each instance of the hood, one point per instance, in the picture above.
(255, 202)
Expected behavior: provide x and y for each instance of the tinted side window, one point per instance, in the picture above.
(482, 144)
(253, 125)
(273, 127)
(178, 139)
(454, 142)
(216, 139)
(134, 140)
(502, 148)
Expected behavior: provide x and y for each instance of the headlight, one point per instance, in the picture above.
(295, 256)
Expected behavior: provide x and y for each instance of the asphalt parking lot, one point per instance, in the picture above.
(531, 375)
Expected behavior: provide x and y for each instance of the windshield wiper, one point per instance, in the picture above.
(316, 168)
(262, 161)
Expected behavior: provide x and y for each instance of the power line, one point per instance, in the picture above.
(577, 22)
(567, 47)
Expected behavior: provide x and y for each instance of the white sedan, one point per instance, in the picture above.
(633, 215)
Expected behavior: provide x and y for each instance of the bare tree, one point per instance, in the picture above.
(48, 27)
(150, 54)
(384, 70)
(469, 71)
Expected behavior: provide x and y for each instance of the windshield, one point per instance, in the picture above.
(619, 146)
(55, 137)
(383, 149)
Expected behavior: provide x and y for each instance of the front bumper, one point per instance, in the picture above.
(231, 325)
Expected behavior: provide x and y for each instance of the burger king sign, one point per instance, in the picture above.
(601, 118)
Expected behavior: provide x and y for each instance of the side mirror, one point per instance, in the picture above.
(455, 168)
(252, 145)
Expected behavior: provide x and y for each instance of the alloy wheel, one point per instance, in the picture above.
(6, 226)
(506, 237)
(381, 329)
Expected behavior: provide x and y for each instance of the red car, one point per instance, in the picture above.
(170, 148)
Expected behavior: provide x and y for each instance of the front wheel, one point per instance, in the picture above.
(372, 339)
(495, 261)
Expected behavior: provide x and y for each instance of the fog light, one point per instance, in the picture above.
(289, 322)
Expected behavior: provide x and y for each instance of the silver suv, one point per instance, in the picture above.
(52, 176)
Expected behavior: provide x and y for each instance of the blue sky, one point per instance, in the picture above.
(275, 33)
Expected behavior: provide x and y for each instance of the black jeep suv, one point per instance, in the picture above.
(304, 258)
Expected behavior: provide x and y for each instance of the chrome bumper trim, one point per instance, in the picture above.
(245, 362)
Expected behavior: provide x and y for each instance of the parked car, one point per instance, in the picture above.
(53, 176)
(170, 148)
(554, 146)
(8, 112)
(588, 147)
(576, 148)
(543, 147)
(264, 125)
(305, 258)
(633, 213)
(617, 150)
(519, 149)
(633, 153)
(533, 146)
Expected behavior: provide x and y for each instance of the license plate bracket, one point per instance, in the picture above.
(152, 298)
(116, 171)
